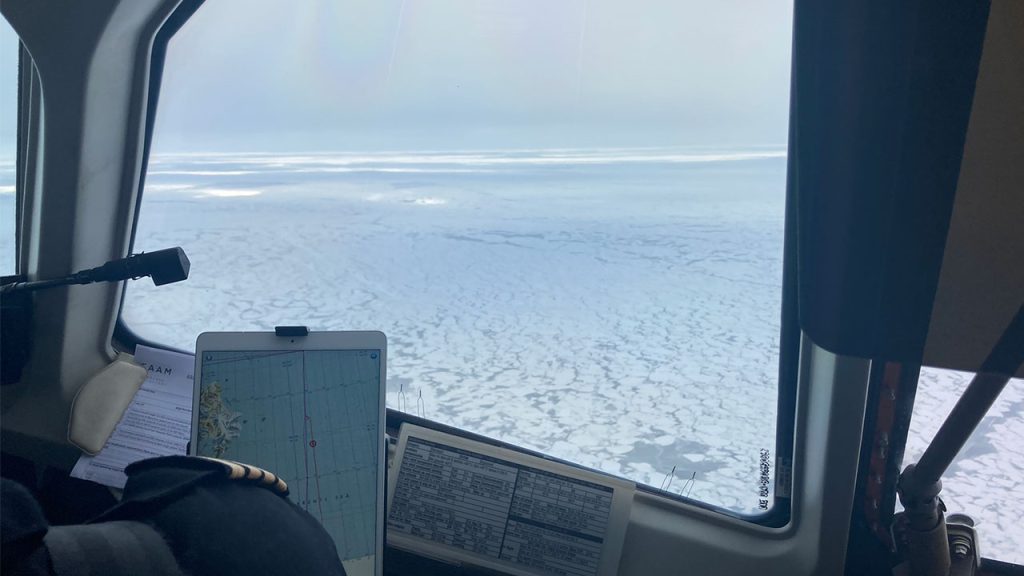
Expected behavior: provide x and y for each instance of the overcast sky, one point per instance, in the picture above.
(346, 74)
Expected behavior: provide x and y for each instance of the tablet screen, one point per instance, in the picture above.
(312, 418)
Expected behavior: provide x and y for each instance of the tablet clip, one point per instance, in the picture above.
(291, 331)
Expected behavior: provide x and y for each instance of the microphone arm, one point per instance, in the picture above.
(164, 266)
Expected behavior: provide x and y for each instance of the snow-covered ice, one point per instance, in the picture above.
(613, 308)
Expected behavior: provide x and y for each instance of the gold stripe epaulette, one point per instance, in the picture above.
(242, 472)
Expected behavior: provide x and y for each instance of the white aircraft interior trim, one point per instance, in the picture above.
(89, 134)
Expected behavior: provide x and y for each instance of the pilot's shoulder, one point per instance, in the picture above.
(157, 482)
(193, 468)
(225, 517)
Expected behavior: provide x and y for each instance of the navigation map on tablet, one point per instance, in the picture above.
(311, 417)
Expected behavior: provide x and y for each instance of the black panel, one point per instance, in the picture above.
(882, 97)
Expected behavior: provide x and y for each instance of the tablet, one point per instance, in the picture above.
(475, 504)
(310, 409)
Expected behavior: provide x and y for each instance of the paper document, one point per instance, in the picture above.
(156, 423)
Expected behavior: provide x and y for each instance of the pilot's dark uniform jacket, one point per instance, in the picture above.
(179, 516)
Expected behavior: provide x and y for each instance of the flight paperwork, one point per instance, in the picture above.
(156, 423)
(471, 503)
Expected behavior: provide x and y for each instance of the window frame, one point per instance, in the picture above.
(779, 512)
(26, 78)
(24, 73)
(123, 337)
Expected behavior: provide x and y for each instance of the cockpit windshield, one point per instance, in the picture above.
(568, 218)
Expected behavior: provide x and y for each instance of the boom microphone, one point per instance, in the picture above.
(164, 266)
